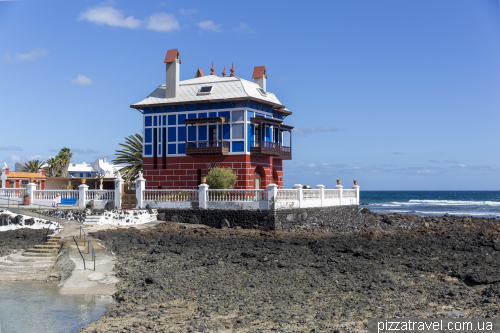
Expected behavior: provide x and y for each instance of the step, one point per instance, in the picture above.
(31, 254)
(34, 264)
(47, 246)
(54, 251)
(13, 276)
(19, 257)
(54, 237)
(20, 268)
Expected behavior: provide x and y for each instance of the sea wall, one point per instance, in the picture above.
(246, 219)
(340, 218)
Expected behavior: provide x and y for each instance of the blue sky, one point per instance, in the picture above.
(400, 95)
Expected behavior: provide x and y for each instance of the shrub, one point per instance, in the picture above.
(221, 178)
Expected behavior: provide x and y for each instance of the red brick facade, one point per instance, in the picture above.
(184, 172)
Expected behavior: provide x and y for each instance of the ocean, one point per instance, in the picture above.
(434, 203)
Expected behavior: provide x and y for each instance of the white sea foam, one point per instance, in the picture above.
(441, 203)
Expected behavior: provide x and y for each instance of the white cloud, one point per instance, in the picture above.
(304, 131)
(163, 22)
(243, 27)
(11, 148)
(210, 26)
(188, 12)
(82, 80)
(15, 158)
(109, 16)
(30, 56)
(462, 166)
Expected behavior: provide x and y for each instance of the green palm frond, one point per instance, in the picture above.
(131, 156)
(32, 166)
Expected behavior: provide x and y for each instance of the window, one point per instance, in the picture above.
(262, 91)
(206, 90)
(237, 131)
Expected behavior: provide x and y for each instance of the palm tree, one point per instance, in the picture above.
(64, 158)
(32, 166)
(131, 156)
(52, 166)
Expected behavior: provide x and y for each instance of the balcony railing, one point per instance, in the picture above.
(267, 148)
(214, 147)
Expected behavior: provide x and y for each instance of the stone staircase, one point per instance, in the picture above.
(92, 220)
(32, 264)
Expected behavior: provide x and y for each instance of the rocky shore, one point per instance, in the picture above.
(189, 278)
(19, 239)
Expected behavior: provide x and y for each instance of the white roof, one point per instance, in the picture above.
(223, 88)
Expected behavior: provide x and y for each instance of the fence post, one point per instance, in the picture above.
(140, 187)
(298, 187)
(4, 176)
(272, 195)
(321, 189)
(202, 195)
(82, 195)
(339, 187)
(356, 187)
(118, 191)
(31, 191)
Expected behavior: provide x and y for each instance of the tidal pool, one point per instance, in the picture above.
(39, 307)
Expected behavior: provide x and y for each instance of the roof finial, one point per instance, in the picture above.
(212, 69)
(232, 69)
(224, 73)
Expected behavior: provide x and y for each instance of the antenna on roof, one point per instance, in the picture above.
(212, 69)
(232, 69)
(224, 73)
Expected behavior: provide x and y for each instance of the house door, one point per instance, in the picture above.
(129, 200)
(256, 179)
(213, 135)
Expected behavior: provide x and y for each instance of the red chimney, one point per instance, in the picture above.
(6, 171)
(42, 172)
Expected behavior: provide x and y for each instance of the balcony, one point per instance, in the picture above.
(207, 148)
(266, 148)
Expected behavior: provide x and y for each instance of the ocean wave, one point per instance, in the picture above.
(440, 213)
(440, 203)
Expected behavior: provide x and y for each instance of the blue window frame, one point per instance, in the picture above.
(172, 119)
(202, 115)
(238, 146)
(202, 133)
(155, 120)
(164, 120)
(212, 114)
(171, 148)
(192, 116)
(148, 150)
(148, 121)
(148, 135)
(181, 133)
(172, 134)
(181, 118)
(181, 148)
(226, 114)
(192, 133)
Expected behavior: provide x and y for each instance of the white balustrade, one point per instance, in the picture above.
(349, 193)
(284, 195)
(13, 192)
(52, 194)
(331, 194)
(237, 195)
(311, 194)
(100, 195)
(170, 195)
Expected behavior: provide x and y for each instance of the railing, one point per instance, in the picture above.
(207, 144)
(237, 195)
(13, 192)
(287, 195)
(100, 195)
(170, 195)
(88, 243)
(264, 144)
(349, 193)
(52, 194)
(311, 194)
(331, 194)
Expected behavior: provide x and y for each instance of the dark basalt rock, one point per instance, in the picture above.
(30, 221)
(109, 206)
